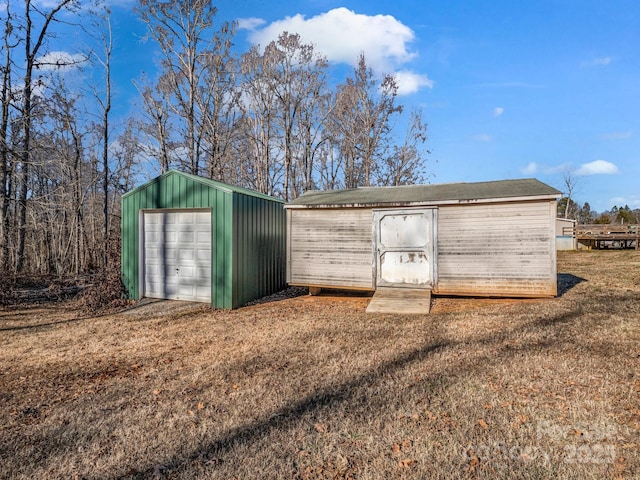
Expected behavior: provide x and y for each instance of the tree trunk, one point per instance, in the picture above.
(31, 53)
(4, 149)
(105, 145)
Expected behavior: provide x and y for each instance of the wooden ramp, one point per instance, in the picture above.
(400, 300)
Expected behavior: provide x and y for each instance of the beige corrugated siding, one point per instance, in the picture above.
(497, 249)
(330, 247)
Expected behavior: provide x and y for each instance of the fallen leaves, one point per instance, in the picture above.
(520, 420)
(400, 451)
(406, 463)
(634, 421)
(404, 445)
(320, 428)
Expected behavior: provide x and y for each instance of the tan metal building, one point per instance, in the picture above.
(486, 239)
(565, 234)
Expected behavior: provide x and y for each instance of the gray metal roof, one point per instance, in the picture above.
(428, 194)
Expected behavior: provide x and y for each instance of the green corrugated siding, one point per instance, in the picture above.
(259, 243)
(248, 239)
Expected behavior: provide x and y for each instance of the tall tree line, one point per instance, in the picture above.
(60, 177)
(268, 119)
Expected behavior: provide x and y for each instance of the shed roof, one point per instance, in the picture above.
(527, 188)
(225, 187)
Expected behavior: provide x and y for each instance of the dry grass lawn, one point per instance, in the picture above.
(314, 388)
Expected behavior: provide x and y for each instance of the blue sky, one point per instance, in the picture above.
(509, 89)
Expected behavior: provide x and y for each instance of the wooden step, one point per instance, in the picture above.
(400, 300)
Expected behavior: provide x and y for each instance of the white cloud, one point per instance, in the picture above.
(616, 135)
(597, 62)
(632, 201)
(342, 35)
(410, 82)
(597, 167)
(498, 111)
(60, 60)
(530, 169)
(540, 168)
(250, 23)
(482, 137)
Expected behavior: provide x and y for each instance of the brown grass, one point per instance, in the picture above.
(312, 387)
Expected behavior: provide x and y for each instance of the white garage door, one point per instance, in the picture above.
(177, 255)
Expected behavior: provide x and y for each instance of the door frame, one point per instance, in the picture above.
(431, 247)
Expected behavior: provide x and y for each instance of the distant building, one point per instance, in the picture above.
(565, 234)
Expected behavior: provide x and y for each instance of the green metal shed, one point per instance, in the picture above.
(186, 237)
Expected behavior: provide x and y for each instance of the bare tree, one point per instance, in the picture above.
(405, 164)
(67, 147)
(126, 153)
(311, 139)
(33, 38)
(183, 30)
(218, 101)
(104, 59)
(258, 106)
(569, 184)
(297, 76)
(330, 168)
(361, 123)
(9, 44)
(156, 126)
(285, 105)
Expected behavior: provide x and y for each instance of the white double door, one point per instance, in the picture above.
(405, 247)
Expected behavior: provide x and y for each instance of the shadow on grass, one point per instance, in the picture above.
(286, 417)
(36, 326)
(566, 281)
(149, 308)
(289, 292)
(350, 391)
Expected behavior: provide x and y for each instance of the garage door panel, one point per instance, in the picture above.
(186, 290)
(152, 237)
(188, 273)
(203, 255)
(153, 270)
(186, 254)
(186, 237)
(203, 291)
(204, 275)
(150, 220)
(170, 255)
(203, 237)
(177, 255)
